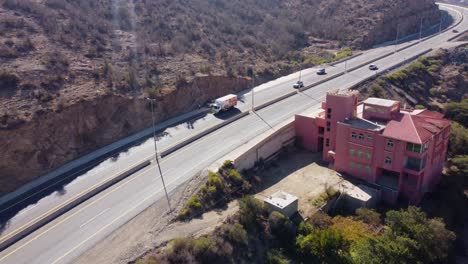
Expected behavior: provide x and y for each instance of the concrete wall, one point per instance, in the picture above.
(264, 146)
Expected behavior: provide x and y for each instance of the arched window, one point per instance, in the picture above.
(388, 160)
(353, 135)
(361, 136)
(390, 143)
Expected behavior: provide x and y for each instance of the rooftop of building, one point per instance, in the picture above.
(416, 127)
(344, 93)
(281, 199)
(380, 102)
(362, 123)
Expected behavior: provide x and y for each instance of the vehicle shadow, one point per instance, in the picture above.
(228, 114)
(58, 186)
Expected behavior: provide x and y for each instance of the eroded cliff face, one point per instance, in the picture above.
(51, 139)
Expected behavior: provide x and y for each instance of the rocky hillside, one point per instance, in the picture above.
(73, 73)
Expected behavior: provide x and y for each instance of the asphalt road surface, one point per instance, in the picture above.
(68, 236)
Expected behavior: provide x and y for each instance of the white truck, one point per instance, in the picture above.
(224, 103)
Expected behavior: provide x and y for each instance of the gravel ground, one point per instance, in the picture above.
(146, 231)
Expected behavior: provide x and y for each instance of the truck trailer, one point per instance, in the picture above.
(224, 103)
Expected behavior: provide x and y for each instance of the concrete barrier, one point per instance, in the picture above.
(70, 170)
(205, 132)
(35, 224)
(346, 58)
(458, 35)
(392, 68)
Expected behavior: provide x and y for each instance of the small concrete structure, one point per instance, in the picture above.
(282, 202)
(361, 196)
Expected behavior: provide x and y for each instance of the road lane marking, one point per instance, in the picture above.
(19, 229)
(134, 207)
(73, 214)
(96, 216)
(200, 141)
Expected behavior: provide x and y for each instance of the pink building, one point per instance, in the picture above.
(401, 152)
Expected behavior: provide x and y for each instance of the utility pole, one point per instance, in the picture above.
(156, 153)
(253, 86)
(396, 39)
(300, 71)
(440, 24)
(420, 29)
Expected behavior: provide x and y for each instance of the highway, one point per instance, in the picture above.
(68, 236)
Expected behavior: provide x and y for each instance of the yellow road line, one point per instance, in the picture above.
(19, 229)
(73, 214)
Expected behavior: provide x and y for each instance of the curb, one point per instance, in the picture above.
(392, 68)
(49, 216)
(49, 180)
(205, 132)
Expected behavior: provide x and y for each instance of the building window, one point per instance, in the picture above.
(370, 138)
(328, 116)
(321, 130)
(390, 143)
(359, 166)
(367, 168)
(329, 110)
(359, 153)
(351, 152)
(361, 136)
(351, 164)
(327, 142)
(414, 147)
(353, 135)
(413, 164)
(388, 160)
(368, 155)
(328, 125)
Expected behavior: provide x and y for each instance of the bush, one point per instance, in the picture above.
(375, 90)
(368, 216)
(235, 176)
(458, 141)
(214, 179)
(236, 233)
(153, 93)
(326, 196)
(148, 260)
(8, 81)
(346, 52)
(276, 257)
(250, 211)
(432, 240)
(194, 203)
(323, 246)
(458, 112)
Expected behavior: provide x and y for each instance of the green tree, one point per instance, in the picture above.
(432, 239)
(251, 210)
(368, 216)
(387, 248)
(458, 142)
(458, 111)
(324, 246)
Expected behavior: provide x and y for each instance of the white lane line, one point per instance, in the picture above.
(87, 222)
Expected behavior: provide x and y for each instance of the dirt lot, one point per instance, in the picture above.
(301, 174)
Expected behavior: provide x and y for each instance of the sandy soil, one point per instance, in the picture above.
(301, 174)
